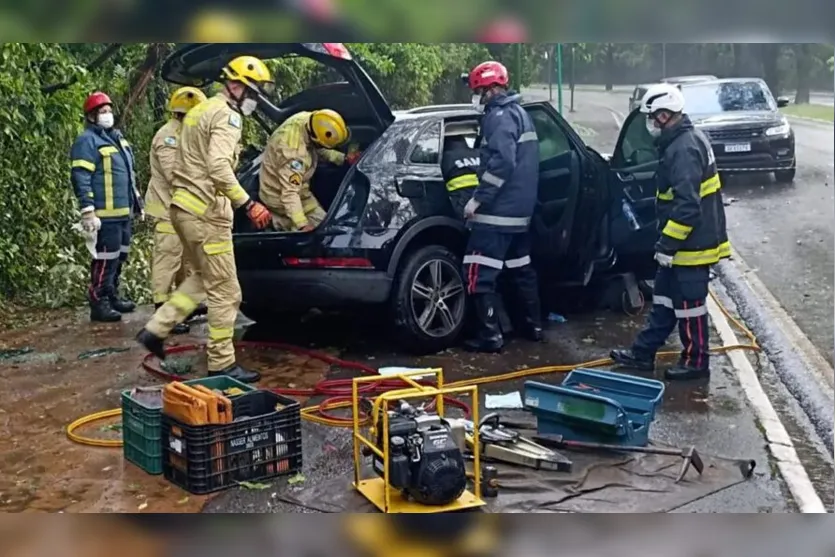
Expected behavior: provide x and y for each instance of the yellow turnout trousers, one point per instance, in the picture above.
(168, 268)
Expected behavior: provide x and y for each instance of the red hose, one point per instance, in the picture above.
(337, 390)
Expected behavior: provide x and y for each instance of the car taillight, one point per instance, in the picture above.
(328, 262)
(338, 50)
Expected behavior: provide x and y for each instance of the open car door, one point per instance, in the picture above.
(199, 64)
(632, 183)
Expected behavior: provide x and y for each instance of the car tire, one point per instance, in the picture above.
(405, 302)
(785, 176)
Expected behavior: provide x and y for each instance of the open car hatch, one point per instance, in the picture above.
(199, 64)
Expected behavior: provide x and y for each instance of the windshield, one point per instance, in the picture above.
(715, 98)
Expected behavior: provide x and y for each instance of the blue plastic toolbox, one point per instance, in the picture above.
(596, 406)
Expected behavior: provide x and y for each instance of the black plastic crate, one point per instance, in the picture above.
(262, 443)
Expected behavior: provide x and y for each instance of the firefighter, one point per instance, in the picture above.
(205, 194)
(693, 237)
(500, 211)
(169, 268)
(290, 160)
(459, 167)
(104, 181)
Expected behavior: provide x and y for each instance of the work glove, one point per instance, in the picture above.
(470, 208)
(89, 221)
(352, 158)
(664, 259)
(258, 214)
(307, 228)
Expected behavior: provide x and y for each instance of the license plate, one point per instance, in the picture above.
(737, 148)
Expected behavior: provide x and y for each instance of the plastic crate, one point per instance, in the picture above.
(262, 443)
(600, 407)
(141, 431)
(141, 434)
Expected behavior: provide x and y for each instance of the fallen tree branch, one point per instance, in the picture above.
(142, 77)
(108, 52)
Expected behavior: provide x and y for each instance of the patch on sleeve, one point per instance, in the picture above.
(235, 120)
(172, 141)
(295, 179)
(296, 164)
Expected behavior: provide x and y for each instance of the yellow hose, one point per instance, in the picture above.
(310, 413)
(92, 418)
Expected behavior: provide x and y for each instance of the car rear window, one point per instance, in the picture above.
(639, 93)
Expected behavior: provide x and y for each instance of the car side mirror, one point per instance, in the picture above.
(782, 101)
(411, 189)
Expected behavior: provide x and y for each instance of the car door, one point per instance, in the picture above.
(558, 188)
(631, 180)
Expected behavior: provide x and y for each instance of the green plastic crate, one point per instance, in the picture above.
(141, 430)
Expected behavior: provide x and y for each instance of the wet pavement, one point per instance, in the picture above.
(49, 387)
(786, 233)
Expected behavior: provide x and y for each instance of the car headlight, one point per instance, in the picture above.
(782, 129)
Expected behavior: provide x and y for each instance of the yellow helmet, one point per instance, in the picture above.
(184, 99)
(328, 129)
(250, 71)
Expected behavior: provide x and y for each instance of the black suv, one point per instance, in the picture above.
(390, 237)
(744, 124)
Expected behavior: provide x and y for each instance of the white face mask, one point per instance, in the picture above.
(652, 129)
(105, 120)
(248, 106)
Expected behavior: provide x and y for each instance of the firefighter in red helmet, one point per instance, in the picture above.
(104, 180)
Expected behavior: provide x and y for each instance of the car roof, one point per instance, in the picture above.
(436, 111)
(688, 78)
(726, 80)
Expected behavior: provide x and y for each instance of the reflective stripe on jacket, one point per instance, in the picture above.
(691, 214)
(102, 173)
(164, 156)
(459, 167)
(204, 182)
(509, 169)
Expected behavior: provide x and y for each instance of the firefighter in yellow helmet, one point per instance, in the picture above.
(205, 195)
(290, 160)
(168, 268)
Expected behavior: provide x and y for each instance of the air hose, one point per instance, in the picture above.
(338, 391)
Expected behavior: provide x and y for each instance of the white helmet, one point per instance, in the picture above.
(662, 96)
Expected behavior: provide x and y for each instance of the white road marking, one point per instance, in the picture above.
(779, 442)
(616, 117)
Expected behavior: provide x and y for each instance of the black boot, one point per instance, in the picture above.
(489, 337)
(681, 372)
(180, 328)
(201, 309)
(152, 343)
(630, 359)
(102, 312)
(122, 305)
(238, 373)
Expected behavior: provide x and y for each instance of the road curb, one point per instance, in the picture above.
(814, 120)
(777, 438)
(794, 367)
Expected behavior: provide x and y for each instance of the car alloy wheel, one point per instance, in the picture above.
(437, 298)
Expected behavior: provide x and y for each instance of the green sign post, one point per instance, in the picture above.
(559, 78)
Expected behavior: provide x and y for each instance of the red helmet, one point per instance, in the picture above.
(95, 101)
(487, 74)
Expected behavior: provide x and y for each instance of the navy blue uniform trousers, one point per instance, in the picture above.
(112, 247)
(679, 298)
(488, 252)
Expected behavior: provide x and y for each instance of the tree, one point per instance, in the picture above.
(803, 67)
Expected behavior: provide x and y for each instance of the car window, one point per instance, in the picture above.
(427, 149)
(709, 98)
(552, 140)
(638, 94)
(638, 146)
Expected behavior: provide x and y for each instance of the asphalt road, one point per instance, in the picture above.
(784, 232)
(826, 98)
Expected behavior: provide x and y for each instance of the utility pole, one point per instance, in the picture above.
(559, 78)
(551, 52)
(573, 63)
(663, 60)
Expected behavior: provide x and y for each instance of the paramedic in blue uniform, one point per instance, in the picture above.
(693, 237)
(499, 213)
(104, 181)
(459, 167)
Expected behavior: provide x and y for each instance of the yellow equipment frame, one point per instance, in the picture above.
(378, 490)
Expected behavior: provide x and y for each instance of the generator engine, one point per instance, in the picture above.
(425, 462)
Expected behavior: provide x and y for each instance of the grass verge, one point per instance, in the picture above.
(813, 111)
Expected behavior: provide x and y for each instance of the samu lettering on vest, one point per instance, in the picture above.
(468, 162)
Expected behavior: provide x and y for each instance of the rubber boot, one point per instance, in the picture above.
(489, 337)
(200, 310)
(152, 343)
(101, 311)
(238, 373)
(628, 358)
(122, 305)
(533, 322)
(681, 372)
(180, 328)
